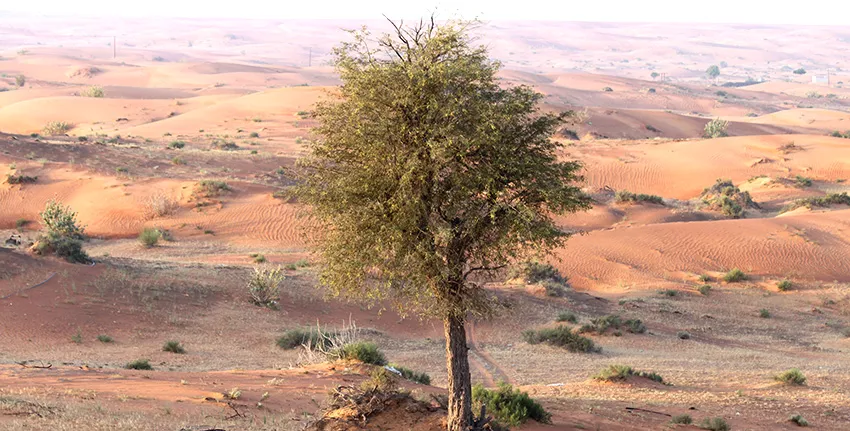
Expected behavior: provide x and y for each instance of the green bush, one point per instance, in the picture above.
(727, 198)
(705, 278)
(625, 196)
(716, 128)
(704, 289)
(669, 292)
(363, 351)
(764, 313)
(105, 338)
(56, 128)
(93, 91)
(784, 285)
(536, 272)
(139, 364)
(799, 420)
(561, 336)
(254, 135)
(20, 179)
(63, 237)
(173, 347)
(792, 377)
(176, 145)
(149, 237)
(411, 375)
(800, 71)
(801, 181)
(211, 188)
(607, 89)
(508, 405)
(714, 424)
(614, 373)
(820, 201)
(295, 338)
(566, 316)
(734, 276)
(681, 419)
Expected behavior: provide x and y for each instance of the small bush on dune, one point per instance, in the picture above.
(56, 128)
(714, 424)
(784, 285)
(173, 347)
(63, 237)
(764, 313)
(295, 338)
(561, 336)
(820, 201)
(210, 188)
(264, 286)
(614, 373)
(801, 181)
(792, 377)
(716, 128)
(705, 278)
(176, 145)
(799, 420)
(149, 237)
(705, 289)
(20, 179)
(566, 316)
(93, 91)
(625, 196)
(139, 364)
(105, 339)
(724, 196)
(363, 351)
(20, 80)
(734, 276)
(682, 419)
(601, 325)
(508, 405)
(607, 89)
(411, 375)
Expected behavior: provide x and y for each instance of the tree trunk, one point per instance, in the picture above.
(460, 385)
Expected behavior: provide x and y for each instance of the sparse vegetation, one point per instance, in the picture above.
(56, 128)
(295, 338)
(683, 335)
(726, 197)
(105, 339)
(407, 373)
(735, 275)
(801, 181)
(544, 274)
(607, 89)
(139, 364)
(614, 373)
(799, 420)
(160, 205)
(93, 91)
(149, 237)
(63, 236)
(254, 135)
(20, 179)
(705, 289)
(562, 336)
(566, 316)
(20, 80)
(716, 128)
(625, 196)
(362, 351)
(264, 286)
(258, 257)
(508, 405)
(173, 347)
(681, 420)
(671, 293)
(713, 71)
(784, 285)
(792, 377)
(714, 424)
(601, 325)
(212, 188)
(800, 71)
(705, 278)
(819, 201)
(764, 313)
(176, 145)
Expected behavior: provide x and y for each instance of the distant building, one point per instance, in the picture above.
(820, 79)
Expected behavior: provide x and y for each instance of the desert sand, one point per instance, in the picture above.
(237, 95)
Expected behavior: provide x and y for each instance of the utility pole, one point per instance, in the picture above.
(113, 47)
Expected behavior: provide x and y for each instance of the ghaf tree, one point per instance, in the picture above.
(425, 172)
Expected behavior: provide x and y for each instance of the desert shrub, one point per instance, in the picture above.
(77, 338)
(614, 373)
(837, 134)
(20, 179)
(705, 278)
(93, 91)
(727, 198)
(177, 160)
(149, 237)
(221, 144)
(624, 196)
(704, 289)
(211, 188)
(714, 424)
(508, 405)
(264, 286)
(716, 128)
(651, 91)
(764, 313)
(160, 205)
(601, 325)
(313, 337)
(63, 236)
(682, 419)
(21, 223)
(784, 285)
(566, 316)
(56, 128)
(735, 275)
(176, 145)
(561, 336)
(683, 335)
(363, 351)
(721, 93)
(554, 289)
(173, 347)
(105, 339)
(791, 377)
(669, 293)
(800, 71)
(233, 394)
(799, 420)
(607, 89)
(411, 375)
(380, 380)
(820, 201)
(139, 364)
(20, 80)
(801, 181)
(536, 272)
(258, 257)
(254, 135)
(790, 148)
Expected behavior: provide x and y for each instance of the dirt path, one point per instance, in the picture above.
(483, 362)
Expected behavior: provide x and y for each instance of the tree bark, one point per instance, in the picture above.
(460, 385)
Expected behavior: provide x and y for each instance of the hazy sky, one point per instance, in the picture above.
(826, 12)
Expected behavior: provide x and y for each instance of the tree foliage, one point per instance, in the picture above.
(713, 71)
(426, 171)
